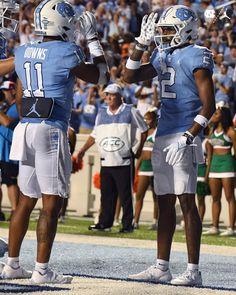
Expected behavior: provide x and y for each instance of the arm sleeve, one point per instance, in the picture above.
(155, 60)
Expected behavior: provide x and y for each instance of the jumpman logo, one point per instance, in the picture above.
(33, 109)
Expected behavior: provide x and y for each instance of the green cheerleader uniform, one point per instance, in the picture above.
(222, 166)
(203, 188)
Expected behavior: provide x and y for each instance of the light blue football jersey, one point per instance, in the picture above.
(44, 71)
(180, 101)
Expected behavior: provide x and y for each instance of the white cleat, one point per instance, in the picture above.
(15, 273)
(228, 233)
(50, 277)
(188, 278)
(212, 231)
(153, 274)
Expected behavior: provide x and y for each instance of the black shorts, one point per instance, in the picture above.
(9, 173)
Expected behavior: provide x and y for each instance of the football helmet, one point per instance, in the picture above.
(55, 18)
(7, 9)
(177, 25)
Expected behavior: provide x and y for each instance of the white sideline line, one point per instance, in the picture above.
(121, 242)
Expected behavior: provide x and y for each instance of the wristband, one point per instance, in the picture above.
(141, 48)
(201, 120)
(189, 137)
(95, 48)
(132, 64)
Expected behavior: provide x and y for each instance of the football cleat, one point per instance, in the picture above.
(50, 277)
(15, 273)
(153, 274)
(188, 278)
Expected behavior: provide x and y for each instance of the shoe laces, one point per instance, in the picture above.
(189, 274)
(51, 274)
(152, 269)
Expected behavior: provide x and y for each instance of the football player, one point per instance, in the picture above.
(184, 71)
(47, 71)
(7, 7)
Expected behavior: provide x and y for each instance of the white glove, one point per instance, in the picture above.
(176, 150)
(87, 25)
(147, 29)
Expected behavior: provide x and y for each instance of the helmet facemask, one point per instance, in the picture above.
(8, 10)
(167, 37)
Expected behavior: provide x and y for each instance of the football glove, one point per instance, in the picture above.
(147, 29)
(176, 150)
(3, 46)
(87, 25)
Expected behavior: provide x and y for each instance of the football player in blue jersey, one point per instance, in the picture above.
(47, 72)
(184, 71)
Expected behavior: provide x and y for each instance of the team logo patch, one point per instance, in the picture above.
(111, 144)
(65, 9)
(184, 14)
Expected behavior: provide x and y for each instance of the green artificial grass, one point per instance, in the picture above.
(80, 227)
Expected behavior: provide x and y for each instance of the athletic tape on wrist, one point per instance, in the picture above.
(201, 120)
(189, 133)
(189, 137)
(132, 64)
(95, 48)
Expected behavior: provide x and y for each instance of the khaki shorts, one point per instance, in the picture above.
(47, 165)
(180, 178)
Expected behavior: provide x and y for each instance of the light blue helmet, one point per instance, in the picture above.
(183, 20)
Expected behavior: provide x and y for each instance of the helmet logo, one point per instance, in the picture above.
(65, 9)
(184, 14)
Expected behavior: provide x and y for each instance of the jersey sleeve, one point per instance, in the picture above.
(202, 58)
(154, 60)
(73, 56)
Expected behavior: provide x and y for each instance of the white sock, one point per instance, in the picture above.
(13, 262)
(41, 267)
(162, 264)
(192, 267)
(154, 221)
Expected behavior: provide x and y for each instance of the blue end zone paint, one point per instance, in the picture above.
(19, 288)
(116, 263)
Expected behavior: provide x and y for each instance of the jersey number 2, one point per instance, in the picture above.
(168, 82)
(29, 92)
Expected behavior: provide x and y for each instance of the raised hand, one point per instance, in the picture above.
(147, 29)
(87, 25)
